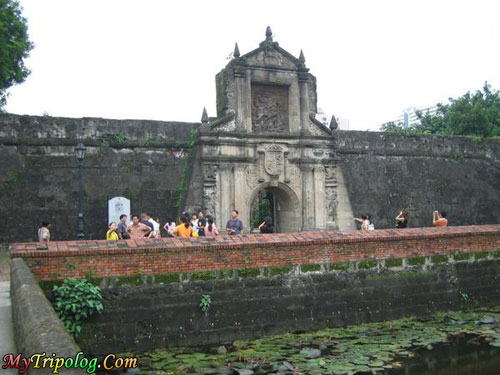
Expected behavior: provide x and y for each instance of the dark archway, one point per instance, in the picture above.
(280, 202)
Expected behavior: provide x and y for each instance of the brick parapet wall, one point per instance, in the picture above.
(176, 255)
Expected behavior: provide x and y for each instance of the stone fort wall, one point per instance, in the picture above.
(384, 173)
(143, 161)
(153, 162)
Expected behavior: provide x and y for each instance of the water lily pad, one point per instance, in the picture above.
(311, 353)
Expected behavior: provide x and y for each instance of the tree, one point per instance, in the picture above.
(14, 47)
(476, 114)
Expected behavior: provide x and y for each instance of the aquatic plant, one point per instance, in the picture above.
(366, 348)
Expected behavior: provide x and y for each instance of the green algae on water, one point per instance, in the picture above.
(361, 349)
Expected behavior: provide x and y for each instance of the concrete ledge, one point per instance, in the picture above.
(37, 327)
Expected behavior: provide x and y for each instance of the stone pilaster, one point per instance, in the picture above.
(308, 203)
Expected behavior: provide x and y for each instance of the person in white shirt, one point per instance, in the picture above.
(194, 222)
(155, 233)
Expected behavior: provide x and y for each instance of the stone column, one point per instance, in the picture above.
(304, 101)
(240, 202)
(226, 195)
(319, 197)
(308, 203)
(242, 94)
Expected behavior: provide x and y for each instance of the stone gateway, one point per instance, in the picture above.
(266, 141)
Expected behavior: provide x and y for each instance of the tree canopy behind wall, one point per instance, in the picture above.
(475, 114)
(14, 47)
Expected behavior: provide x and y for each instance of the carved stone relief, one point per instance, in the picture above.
(274, 160)
(210, 172)
(330, 174)
(210, 198)
(270, 57)
(331, 204)
(252, 176)
(269, 108)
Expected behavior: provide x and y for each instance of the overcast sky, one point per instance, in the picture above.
(153, 59)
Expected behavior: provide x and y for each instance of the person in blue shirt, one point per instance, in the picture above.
(234, 225)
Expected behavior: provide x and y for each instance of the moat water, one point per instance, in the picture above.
(453, 343)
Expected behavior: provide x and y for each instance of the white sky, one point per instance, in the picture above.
(153, 59)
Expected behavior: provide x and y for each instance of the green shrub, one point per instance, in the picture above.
(76, 300)
(461, 256)
(367, 264)
(394, 262)
(439, 259)
(310, 267)
(418, 261)
(339, 266)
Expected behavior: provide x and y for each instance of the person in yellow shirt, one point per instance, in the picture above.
(111, 233)
(184, 229)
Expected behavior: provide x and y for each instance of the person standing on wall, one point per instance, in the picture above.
(44, 234)
(402, 219)
(122, 228)
(234, 225)
(138, 230)
(111, 234)
(439, 219)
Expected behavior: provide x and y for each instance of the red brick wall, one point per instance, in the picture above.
(159, 256)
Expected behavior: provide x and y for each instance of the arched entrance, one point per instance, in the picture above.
(280, 203)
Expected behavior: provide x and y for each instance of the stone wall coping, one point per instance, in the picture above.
(37, 327)
(243, 242)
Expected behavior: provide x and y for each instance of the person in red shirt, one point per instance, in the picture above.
(439, 219)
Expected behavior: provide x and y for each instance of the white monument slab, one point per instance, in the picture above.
(116, 207)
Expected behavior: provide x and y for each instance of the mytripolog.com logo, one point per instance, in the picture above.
(42, 360)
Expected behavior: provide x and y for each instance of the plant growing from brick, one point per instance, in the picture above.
(76, 300)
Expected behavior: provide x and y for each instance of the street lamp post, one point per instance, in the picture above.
(80, 150)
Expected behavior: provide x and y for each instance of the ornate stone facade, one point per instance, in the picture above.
(266, 138)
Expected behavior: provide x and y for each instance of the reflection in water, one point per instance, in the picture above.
(465, 356)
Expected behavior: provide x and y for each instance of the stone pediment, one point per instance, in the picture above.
(271, 55)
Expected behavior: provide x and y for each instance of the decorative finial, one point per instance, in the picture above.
(269, 33)
(204, 116)
(302, 59)
(333, 123)
(236, 52)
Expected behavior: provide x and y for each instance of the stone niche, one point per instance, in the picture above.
(269, 108)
